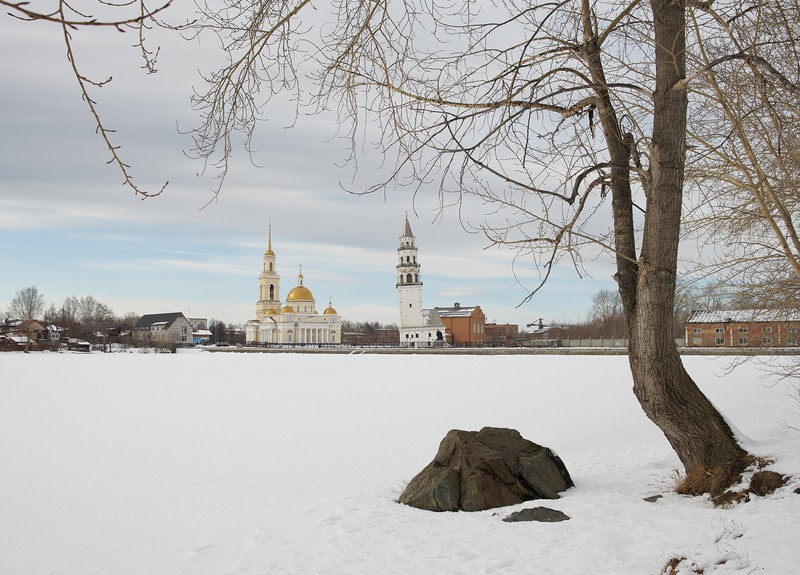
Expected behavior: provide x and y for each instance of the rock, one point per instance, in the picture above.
(652, 498)
(493, 467)
(544, 514)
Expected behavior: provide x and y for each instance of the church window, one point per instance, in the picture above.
(271, 291)
(408, 278)
(270, 266)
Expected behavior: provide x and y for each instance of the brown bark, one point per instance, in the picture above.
(668, 395)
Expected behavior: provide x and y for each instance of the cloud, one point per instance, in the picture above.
(76, 229)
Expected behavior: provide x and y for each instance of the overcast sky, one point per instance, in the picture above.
(69, 227)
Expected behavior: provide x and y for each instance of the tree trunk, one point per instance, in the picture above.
(697, 432)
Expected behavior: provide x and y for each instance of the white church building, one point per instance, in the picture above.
(418, 327)
(295, 321)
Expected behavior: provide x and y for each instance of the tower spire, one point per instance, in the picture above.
(269, 241)
(407, 233)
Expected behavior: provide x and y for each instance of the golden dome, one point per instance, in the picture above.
(287, 309)
(329, 311)
(270, 312)
(300, 293)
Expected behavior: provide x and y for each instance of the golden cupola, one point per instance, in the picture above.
(300, 293)
(329, 310)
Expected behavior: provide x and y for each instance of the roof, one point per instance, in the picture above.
(743, 315)
(431, 318)
(407, 233)
(457, 311)
(32, 325)
(165, 319)
(300, 293)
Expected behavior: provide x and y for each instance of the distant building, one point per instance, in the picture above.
(386, 336)
(417, 327)
(295, 321)
(163, 328)
(743, 328)
(467, 325)
(502, 334)
(201, 335)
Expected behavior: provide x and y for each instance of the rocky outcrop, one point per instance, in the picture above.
(493, 467)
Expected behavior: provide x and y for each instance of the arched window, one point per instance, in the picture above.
(408, 278)
(270, 266)
(271, 290)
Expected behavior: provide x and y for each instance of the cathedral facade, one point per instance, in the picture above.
(294, 321)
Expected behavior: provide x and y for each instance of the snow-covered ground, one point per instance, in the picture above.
(264, 464)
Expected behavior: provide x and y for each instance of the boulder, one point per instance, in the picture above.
(493, 467)
(541, 514)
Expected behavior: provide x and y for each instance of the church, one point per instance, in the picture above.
(295, 321)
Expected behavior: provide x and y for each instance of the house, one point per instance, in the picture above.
(11, 342)
(743, 328)
(123, 334)
(201, 335)
(163, 328)
(9, 325)
(76, 344)
(466, 325)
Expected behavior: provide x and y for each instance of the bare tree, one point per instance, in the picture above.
(135, 16)
(130, 318)
(745, 164)
(607, 313)
(70, 315)
(553, 115)
(27, 304)
(94, 316)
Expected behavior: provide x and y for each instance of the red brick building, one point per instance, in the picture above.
(465, 325)
(502, 334)
(743, 328)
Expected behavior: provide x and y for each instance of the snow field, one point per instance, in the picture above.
(262, 464)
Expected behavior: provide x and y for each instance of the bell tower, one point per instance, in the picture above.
(409, 280)
(269, 284)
